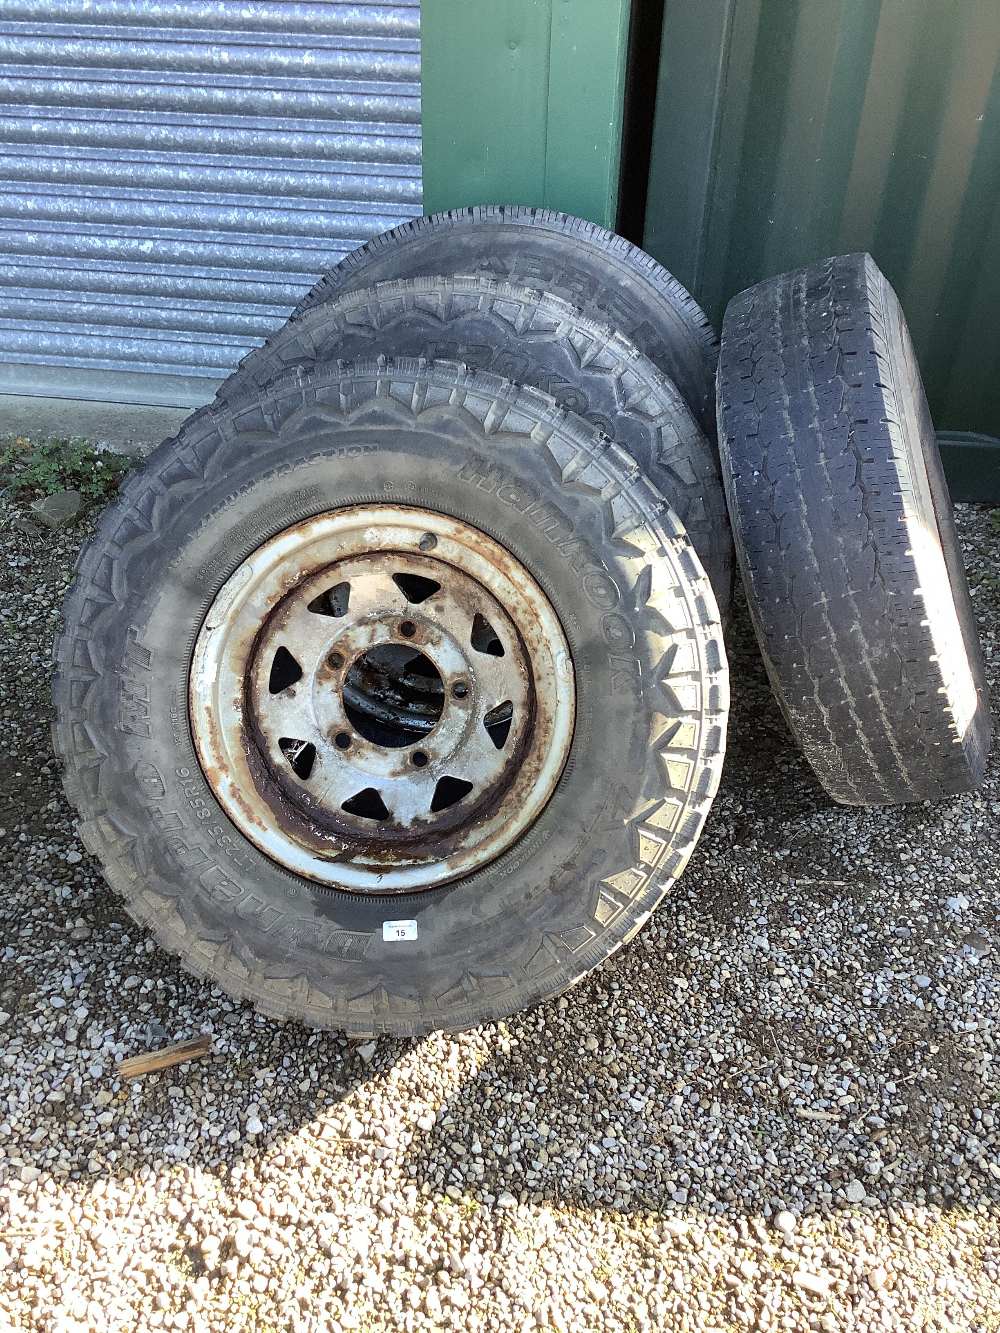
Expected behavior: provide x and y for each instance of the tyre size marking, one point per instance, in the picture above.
(394, 931)
(245, 534)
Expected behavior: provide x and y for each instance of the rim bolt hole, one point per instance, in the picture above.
(459, 690)
(407, 629)
(419, 759)
(427, 542)
(335, 660)
(342, 740)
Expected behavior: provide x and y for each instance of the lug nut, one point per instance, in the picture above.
(335, 660)
(459, 689)
(418, 759)
(342, 740)
(407, 629)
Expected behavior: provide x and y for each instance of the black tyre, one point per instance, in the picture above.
(535, 339)
(608, 278)
(845, 538)
(594, 697)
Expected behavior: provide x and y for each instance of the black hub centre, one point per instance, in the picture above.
(393, 695)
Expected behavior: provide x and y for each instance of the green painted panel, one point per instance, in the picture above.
(787, 130)
(586, 95)
(484, 102)
(522, 103)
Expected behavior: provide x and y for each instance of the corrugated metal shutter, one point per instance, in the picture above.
(174, 174)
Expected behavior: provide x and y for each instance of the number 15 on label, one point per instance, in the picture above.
(394, 931)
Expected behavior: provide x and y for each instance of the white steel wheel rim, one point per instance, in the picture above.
(377, 719)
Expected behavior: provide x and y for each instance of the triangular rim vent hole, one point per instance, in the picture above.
(448, 792)
(367, 804)
(498, 723)
(414, 587)
(484, 637)
(332, 602)
(285, 671)
(301, 755)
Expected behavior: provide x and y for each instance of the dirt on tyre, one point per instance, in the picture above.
(538, 340)
(845, 538)
(391, 698)
(608, 278)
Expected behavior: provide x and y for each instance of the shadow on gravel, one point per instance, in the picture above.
(796, 1027)
(800, 1026)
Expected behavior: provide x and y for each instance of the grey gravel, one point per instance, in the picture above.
(776, 1109)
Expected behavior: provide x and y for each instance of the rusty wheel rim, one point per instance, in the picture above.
(382, 699)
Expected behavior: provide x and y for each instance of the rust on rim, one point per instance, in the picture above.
(382, 699)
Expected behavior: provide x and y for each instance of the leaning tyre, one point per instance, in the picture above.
(391, 698)
(845, 538)
(538, 340)
(611, 280)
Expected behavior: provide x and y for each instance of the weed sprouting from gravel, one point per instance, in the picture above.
(31, 468)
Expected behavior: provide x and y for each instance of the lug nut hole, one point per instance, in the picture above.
(335, 660)
(459, 690)
(342, 740)
(407, 629)
(419, 759)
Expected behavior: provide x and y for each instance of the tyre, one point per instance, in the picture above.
(538, 340)
(611, 280)
(845, 538)
(392, 698)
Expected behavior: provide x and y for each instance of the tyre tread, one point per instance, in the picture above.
(820, 477)
(691, 335)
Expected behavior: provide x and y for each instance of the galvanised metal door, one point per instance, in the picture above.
(174, 174)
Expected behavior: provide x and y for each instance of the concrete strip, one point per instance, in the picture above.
(124, 427)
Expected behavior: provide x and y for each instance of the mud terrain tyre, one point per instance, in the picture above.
(180, 558)
(534, 339)
(845, 537)
(608, 278)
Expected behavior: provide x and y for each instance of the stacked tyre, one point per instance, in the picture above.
(392, 691)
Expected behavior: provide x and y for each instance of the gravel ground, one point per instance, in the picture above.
(776, 1109)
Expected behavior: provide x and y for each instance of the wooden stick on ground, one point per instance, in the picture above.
(150, 1061)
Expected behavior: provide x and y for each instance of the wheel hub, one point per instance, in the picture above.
(382, 699)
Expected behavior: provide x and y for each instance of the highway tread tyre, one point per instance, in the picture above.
(608, 278)
(635, 607)
(534, 339)
(845, 538)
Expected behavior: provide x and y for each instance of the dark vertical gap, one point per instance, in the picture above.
(545, 117)
(713, 147)
(642, 67)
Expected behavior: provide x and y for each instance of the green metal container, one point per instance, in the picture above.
(787, 130)
(782, 131)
